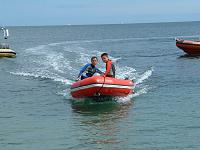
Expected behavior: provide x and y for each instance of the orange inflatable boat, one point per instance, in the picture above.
(101, 86)
(190, 47)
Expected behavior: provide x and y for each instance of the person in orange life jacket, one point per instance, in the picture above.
(110, 68)
(89, 69)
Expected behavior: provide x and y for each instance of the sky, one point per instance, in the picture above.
(64, 12)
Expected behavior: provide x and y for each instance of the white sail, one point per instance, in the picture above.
(5, 32)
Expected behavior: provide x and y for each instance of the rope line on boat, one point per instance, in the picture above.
(97, 93)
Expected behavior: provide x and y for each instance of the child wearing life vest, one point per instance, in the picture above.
(110, 68)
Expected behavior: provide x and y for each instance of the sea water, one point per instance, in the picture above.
(38, 112)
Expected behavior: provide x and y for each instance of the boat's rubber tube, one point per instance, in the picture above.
(100, 86)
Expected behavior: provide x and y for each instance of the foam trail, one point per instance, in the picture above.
(125, 100)
(52, 61)
(47, 61)
(139, 87)
(57, 79)
(126, 72)
(144, 76)
(139, 92)
(65, 93)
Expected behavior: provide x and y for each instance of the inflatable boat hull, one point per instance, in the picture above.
(100, 86)
(189, 47)
(7, 53)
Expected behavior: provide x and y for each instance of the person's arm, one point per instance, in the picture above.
(108, 67)
(82, 70)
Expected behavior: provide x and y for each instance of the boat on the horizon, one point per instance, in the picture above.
(98, 86)
(5, 50)
(190, 47)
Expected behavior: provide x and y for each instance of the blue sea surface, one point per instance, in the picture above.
(37, 111)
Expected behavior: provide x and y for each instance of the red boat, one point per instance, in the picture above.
(190, 47)
(101, 86)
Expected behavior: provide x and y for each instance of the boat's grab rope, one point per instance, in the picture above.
(98, 92)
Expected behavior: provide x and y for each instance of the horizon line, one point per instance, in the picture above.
(101, 24)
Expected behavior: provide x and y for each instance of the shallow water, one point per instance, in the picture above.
(37, 111)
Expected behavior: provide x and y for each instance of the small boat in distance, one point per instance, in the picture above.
(5, 50)
(98, 86)
(190, 47)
